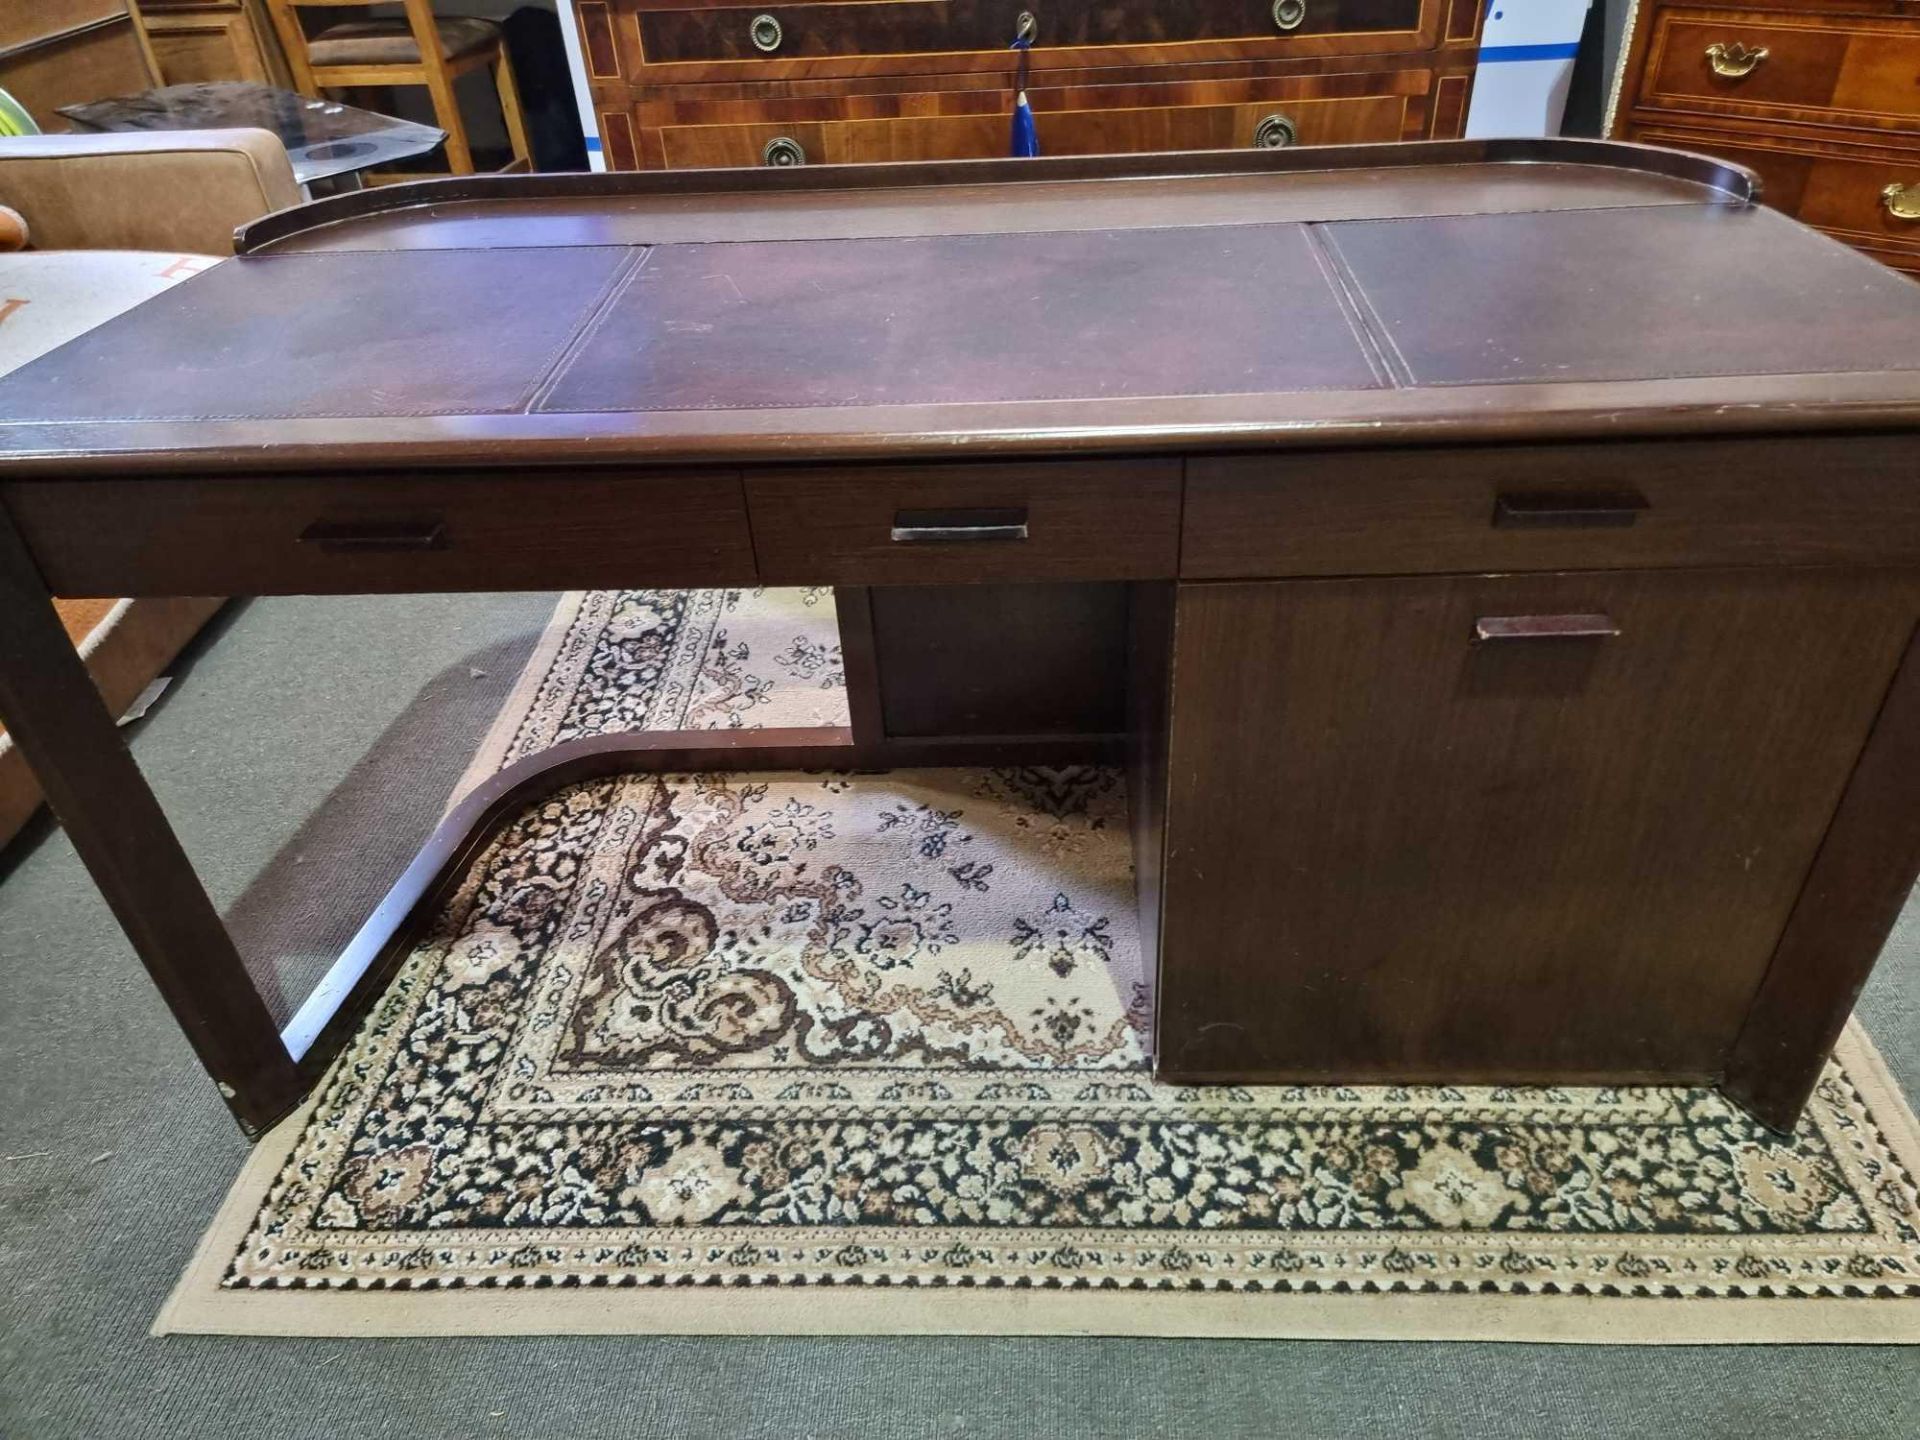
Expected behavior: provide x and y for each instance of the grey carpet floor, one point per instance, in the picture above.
(319, 738)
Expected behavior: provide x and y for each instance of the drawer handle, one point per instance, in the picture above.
(783, 151)
(350, 537)
(766, 34)
(1732, 60)
(1489, 628)
(1276, 132)
(942, 527)
(1289, 14)
(1563, 510)
(1902, 201)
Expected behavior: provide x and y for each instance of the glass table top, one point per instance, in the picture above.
(323, 137)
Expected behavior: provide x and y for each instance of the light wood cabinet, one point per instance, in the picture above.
(1820, 97)
(203, 40)
(677, 84)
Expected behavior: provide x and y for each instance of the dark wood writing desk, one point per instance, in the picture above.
(1497, 563)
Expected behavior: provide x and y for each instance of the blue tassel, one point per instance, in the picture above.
(1026, 139)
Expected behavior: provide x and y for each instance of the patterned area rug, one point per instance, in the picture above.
(820, 1052)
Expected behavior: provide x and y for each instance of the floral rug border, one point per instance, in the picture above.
(528, 1305)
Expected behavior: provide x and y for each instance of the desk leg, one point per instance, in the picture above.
(52, 709)
(860, 663)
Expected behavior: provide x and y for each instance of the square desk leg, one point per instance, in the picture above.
(51, 707)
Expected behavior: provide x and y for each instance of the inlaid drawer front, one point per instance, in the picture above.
(1267, 123)
(1861, 198)
(296, 535)
(1775, 64)
(1847, 499)
(877, 29)
(1868, 198)
(956, 524)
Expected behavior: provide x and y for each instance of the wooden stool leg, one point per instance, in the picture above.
(446, 113)
(53, 711)
(437, 76)
(509, 92)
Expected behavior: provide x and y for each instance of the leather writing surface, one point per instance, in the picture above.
(967, 318)
(1642, 293)
(1637, 293)
(362, 333)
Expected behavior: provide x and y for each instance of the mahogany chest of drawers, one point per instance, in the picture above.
(681, 83)
(1820, 97)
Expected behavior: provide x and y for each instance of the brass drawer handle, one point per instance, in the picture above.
(1732, 60)
(1567, 510)
(945, 527)
(782, 151)
(1489, 628)
(1289, 14)
(766, 34)
(352, 537)
(1276, 132)
(1902, 202)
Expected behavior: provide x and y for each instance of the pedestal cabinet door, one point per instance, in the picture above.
(1518, 827)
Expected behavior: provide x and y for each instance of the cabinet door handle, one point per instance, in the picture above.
(940, 527)
(1275, 132)
(1902, 202)
(1289, 14)
(358, 537)
(1733, 59)
(1567, 510)
(766, 34)
(782, 151)
(1489, 628)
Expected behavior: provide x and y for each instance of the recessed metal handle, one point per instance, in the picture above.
(1275, 132)
(1289, 14)
(1568, 510)
(1902, 202)
(783, 150)
(1489, 628)
(359, 536)
(766, 34)
(942, 527)
(1733, 60)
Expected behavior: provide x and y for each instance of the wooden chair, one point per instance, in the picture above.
(417, 48)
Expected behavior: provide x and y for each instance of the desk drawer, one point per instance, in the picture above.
(1867, 196)
(1848, 499)
(1342, 121)
(296, 535)
(1783, 64)
(885, 29)
(959, 524)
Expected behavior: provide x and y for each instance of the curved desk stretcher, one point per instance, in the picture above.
(1497, 563)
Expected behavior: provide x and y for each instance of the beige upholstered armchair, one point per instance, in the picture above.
(91, 225)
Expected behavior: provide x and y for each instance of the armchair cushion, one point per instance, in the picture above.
(172, 190)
